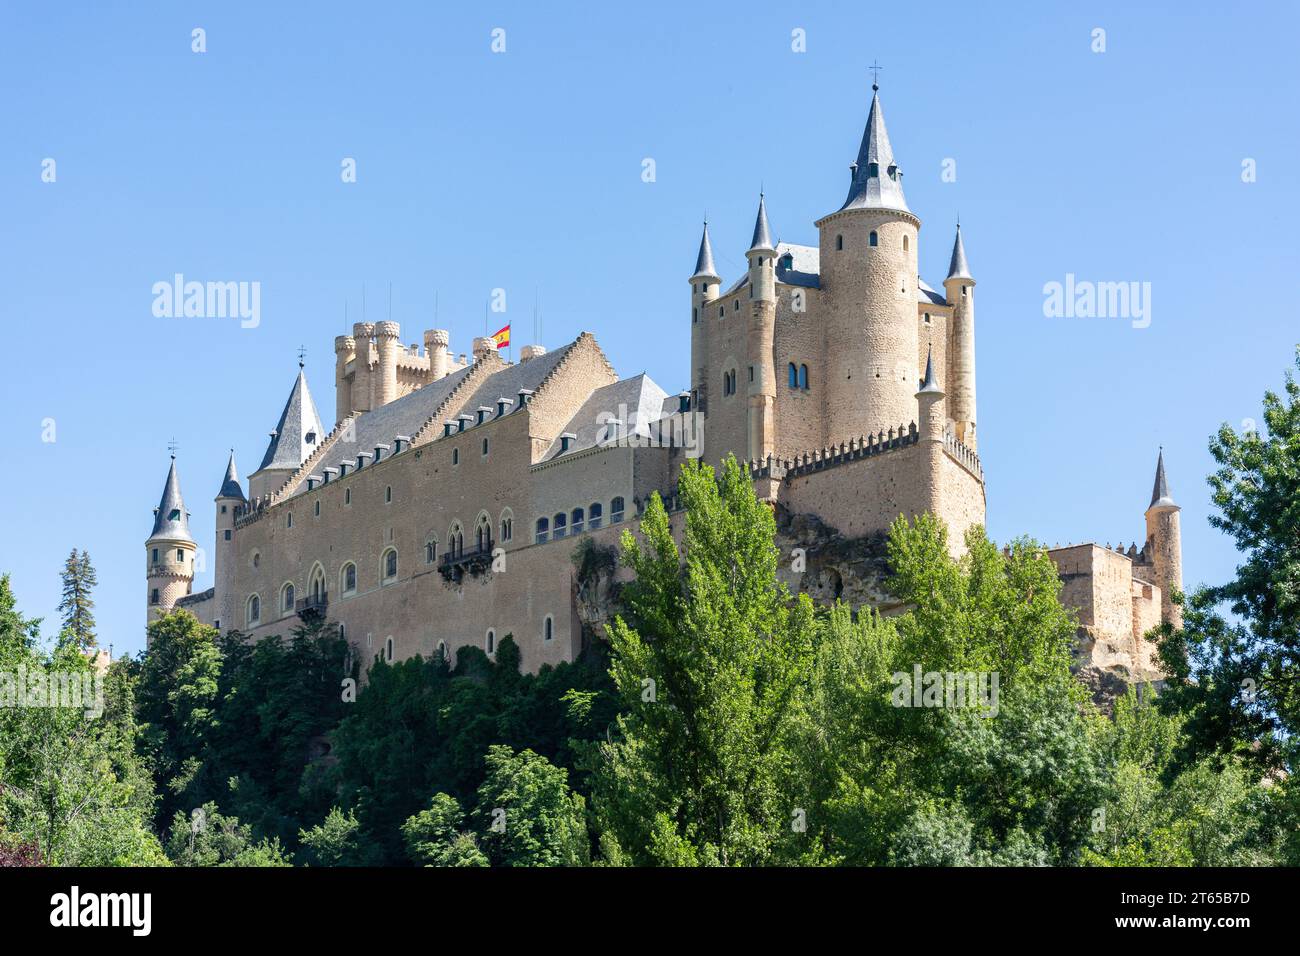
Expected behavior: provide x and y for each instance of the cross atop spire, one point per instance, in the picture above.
(875, 69)
(171, 448)
(302, 352)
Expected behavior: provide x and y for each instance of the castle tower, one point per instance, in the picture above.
(388, 343)
(761, 333)
(436, 342)
(229, 499)
(297, 434)
(362, 333)
(170, 550)
(933, 420)
(869, 287)
(1165, 544)
(344, 352)
(959, 288)
(705, 286)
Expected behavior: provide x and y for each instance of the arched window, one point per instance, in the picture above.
(388, 650)
(484, 447)
(794, 376)
(388, 494)
(483, 533)
(905, 243)
(348, 578)
(722, 311)
(388, 566)
(873, 239)
(594, 514)
(558, 523)
(442, 650)
(317, 587)
(318, 509)
(507, 525)
(254, 611)
(548, 628)
(803, 377)
(430, 552)
(456, 540)
(286, 598)
(575, 521)
(491, 642)
(543, 530)
(616, 510)
(839, 242)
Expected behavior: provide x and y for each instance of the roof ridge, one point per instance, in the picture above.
(431, 422)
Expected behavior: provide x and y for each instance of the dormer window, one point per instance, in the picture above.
(873, 170)
(311, 438)
(787, 261)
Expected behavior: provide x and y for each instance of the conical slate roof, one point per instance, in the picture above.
(230, 487)
(762, 234)
(1160, 490)
(877, 180)
(704, 261)
(298, 432)
(171, 521)
(928, 384)
(957, 267)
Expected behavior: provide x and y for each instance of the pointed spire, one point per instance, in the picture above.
(877, 181)
(1160, 497)
(957, 267)
(762, 234)
(298, 432)
(704, 267)
(171, 520)
(928, 385)
(230, 487)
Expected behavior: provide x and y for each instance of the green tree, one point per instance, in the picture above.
(436, 836)
(1236, 679)
(332, 843)
(78, 603)
(526, 813)
(209, 838)
(176, 699)
(710, 659)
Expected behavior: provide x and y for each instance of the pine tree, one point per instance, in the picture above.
(77, 606)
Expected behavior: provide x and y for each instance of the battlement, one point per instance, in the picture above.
(964, 455)
(831, 456)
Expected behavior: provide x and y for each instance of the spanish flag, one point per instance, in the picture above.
(502, 337)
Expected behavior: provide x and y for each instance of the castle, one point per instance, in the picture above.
(438, 511)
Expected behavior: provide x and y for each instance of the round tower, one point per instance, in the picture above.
(362, 333)
(930, 432)
(705, 287)
(435, 346)
(169, 550)
(869, 290)
(388, 343)
(228, 501)
(344, 349)
(1164, 544)
(959, 288)
(760, 335)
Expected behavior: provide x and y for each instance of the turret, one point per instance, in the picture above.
(959, 288)
(1164, 545)
(228, 501)
(435, 346)
(484, 345)
(362, 394)
(297, 434)
(388, 344)
(705, 286)
(761, 374)
(930, 429)
(170, 550)
(344, 351)
(869, 289)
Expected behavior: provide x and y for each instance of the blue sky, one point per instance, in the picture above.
(522, 170)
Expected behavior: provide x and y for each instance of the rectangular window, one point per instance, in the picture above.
(227, 535)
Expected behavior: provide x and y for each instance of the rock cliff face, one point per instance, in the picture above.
(817, 560)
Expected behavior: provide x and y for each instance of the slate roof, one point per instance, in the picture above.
(171, 520)
(298, 431)
(638, 400)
